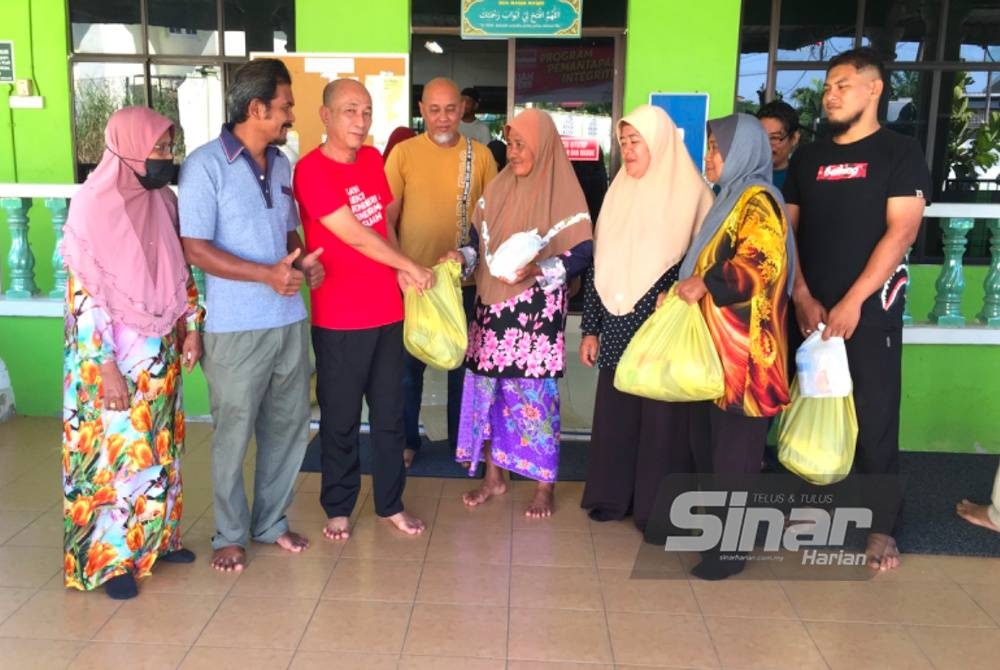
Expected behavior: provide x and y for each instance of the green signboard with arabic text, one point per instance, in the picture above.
(484, 19)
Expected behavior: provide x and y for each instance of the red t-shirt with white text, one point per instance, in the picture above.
(357, 292)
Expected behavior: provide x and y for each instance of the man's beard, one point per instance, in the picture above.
(443, 138)
(838, 128)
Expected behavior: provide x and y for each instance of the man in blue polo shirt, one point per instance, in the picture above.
(239, 224)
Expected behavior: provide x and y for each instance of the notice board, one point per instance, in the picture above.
(386, 76)
(689, 112)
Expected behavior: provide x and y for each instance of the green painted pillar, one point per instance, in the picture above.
(991, 285)
(58, 208)
(951, 282)
(20, 259)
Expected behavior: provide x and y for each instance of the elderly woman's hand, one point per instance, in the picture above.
(191, 351)
(529, 271)
(692, 289)
(115, 388)
(453, 255)
(589, 346)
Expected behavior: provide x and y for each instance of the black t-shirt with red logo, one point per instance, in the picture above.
(841, 191)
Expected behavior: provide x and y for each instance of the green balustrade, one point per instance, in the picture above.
(951, 282)
(20, 260)
(991, 285)
(58, 207)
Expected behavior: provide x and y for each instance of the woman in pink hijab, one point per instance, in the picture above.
(132, 319)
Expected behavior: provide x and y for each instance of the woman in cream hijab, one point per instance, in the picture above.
(652, 210)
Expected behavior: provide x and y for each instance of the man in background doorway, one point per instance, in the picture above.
(470, 126)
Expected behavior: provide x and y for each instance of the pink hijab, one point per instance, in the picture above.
(120, 240)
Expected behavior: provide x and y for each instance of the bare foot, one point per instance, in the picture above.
(976, 514)
(541, 505)
(488, 489)
(337, 528)
(229, 559)
(408, 456)
(292, 542)
(406, 522)
(882, 552)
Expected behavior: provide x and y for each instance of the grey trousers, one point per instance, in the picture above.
(258, 383)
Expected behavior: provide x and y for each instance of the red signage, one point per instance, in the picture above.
(581, 148)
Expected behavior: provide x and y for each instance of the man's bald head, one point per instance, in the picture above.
(339, 87)
(440, 86)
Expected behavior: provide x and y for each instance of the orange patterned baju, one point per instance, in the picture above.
(121, 470)
(745, 267)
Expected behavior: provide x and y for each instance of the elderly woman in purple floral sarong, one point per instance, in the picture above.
(510, 402)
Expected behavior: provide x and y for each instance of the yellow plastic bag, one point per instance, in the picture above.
(817, 437)
(672, 356)
(434, 326)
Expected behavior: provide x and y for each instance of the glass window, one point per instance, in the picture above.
(188, 28)
(803, 90)
(98, 90)
(192, 96)
(104, 27)
(815, 31)
(907, 103)
(903, 32)
(976, 38)
(266, 28)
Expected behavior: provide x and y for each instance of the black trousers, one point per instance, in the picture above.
(351, 365)
(634, 443)
(725, 443)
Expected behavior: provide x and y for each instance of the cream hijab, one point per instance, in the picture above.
(646, 224)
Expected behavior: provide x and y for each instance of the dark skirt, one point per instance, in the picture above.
(634, 443)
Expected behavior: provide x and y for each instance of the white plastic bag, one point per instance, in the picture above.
(822, 367)
(521, 248)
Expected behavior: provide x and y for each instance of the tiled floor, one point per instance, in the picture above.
(481, 589)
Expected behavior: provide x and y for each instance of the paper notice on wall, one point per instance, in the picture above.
(389, 111)
(331, 68)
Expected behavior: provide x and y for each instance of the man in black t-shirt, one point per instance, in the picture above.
(856, 203)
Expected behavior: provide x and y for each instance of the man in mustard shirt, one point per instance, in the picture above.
(436, 179)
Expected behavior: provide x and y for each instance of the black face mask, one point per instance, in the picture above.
(159, 172)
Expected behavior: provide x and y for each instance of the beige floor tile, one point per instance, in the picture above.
(555, 588)
(11, 599)
(197, 499)
(26, 495)
(13, 522)
(662, 639)
(305, 507)
(342, 660)
(451, 544)
(357, 625)
(932, 604)
(567, 493)
(357, 579)
(758, 599)
(456, 486)
(457, 630)
(268, 623)
(950, 648)
(765, 644)
(558, 635)
(28, 567)
(918, 568)
(29, 655)
(45, 531)
(449, 663)
(219, 658)
(309, 482)
(861, 646)
(460, 584)
(567, 516)
(319, 546)
(855, 602)
(552, 548)
(144, 619)
(382, 541)
(103, 655)
(198, 578)
(624, 526)
(60, 615)
(543, 665)
(616, 550)
(970, 569)
(987, 596)
(494, 513)
(623, 593)
(292, 575)
(424, 486)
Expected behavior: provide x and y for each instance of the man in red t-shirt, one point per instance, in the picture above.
(357, 312)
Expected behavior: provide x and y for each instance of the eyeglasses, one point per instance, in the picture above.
(777, 138)
(163, 148)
